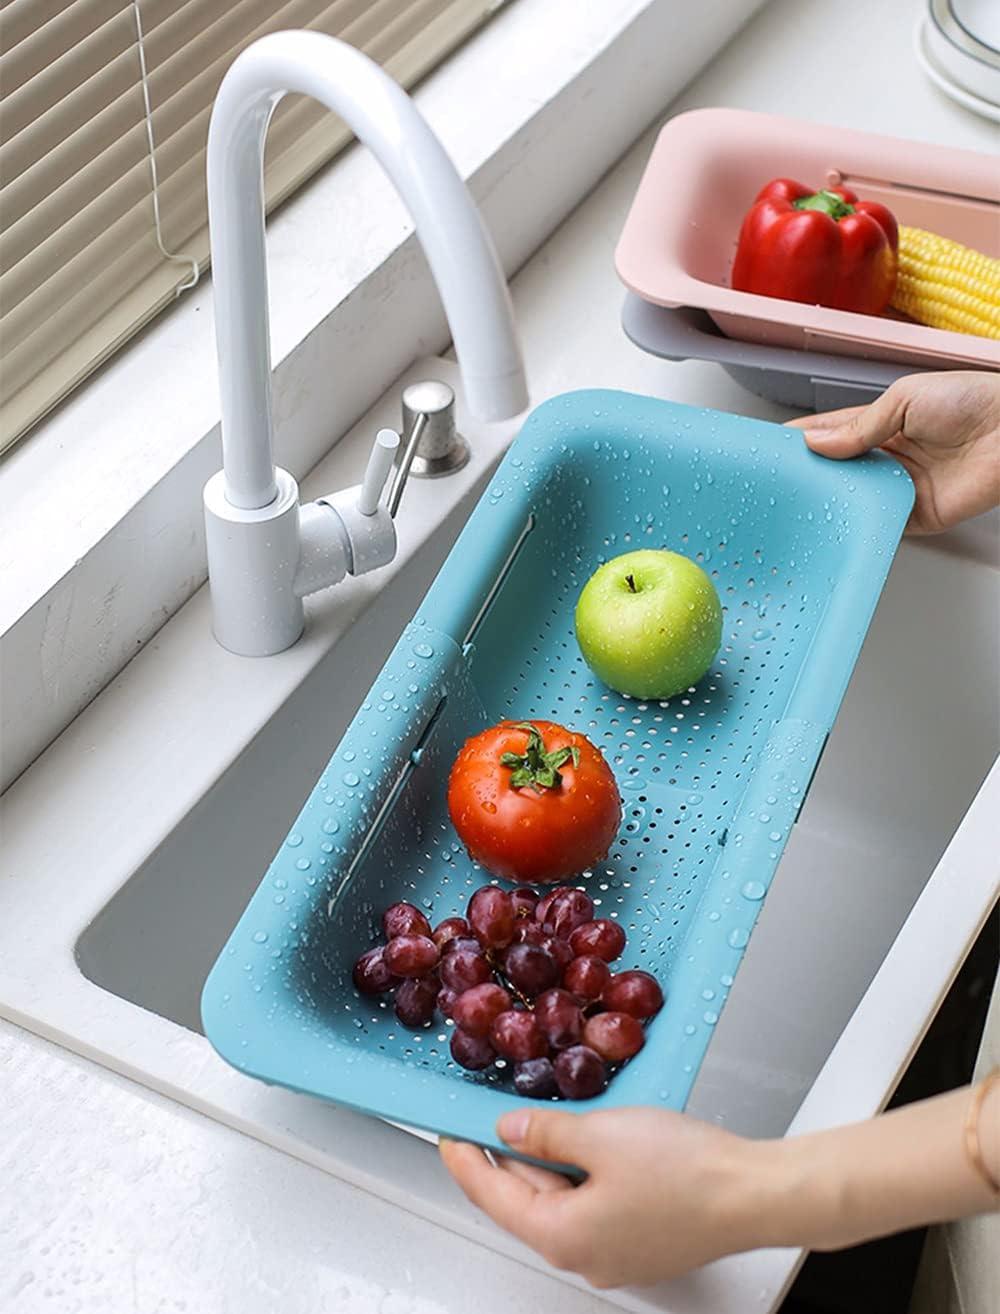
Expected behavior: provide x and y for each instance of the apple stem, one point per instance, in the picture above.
(630, 581)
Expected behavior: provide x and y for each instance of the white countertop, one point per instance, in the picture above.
(118, 1199)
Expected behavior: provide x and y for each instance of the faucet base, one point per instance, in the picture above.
(263, 561)
(253, 556)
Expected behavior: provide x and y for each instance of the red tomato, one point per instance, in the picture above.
(533, 802)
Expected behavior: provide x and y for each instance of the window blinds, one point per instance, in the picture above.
(82, 265)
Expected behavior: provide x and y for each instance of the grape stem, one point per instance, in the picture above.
(507, 982)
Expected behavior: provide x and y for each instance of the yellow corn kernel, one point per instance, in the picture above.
(946, 285)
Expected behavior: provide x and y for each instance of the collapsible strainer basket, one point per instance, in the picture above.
(712, 781)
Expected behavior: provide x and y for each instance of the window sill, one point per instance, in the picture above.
(102, 540)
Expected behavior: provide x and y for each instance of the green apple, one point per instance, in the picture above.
(649, 623)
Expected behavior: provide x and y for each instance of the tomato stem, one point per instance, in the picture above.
(535, 766)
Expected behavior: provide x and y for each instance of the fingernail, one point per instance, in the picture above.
(513, 1127)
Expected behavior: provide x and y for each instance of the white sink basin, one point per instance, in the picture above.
(895, 780)
(155, 942)
(114, 934)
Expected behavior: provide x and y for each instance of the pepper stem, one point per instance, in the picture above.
(828, 202)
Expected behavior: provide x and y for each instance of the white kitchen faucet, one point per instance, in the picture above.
(265, 551)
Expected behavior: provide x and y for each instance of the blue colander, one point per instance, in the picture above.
(713, 780)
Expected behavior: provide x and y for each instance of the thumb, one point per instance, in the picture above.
(546, 1134)
(862, 428)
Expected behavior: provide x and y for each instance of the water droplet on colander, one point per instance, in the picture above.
(423, 650)
(303, 864)
(765, 817)
(708, 994)
(738, 938)
(326, 846)
(331, 826)
(774, 836)
(726, 980)
(279, 898)
(753, 890)
(714, 916)
(711, 1018)
(351, 779)
(759, 635)
(689, 1030)
(260, 937)
(281, 883)
(293, 840)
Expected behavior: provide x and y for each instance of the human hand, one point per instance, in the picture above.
(944, 428)
(664, 1193)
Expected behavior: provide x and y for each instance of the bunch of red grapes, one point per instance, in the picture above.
(525, 978)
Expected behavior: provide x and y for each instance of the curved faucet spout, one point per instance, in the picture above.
(461, 256)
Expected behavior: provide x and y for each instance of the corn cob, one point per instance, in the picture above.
(946, 285)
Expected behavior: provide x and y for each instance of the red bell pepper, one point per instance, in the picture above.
(827, 248)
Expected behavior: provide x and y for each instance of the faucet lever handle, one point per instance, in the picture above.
(380, 463)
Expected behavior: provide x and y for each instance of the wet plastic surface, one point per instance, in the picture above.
(713, 780)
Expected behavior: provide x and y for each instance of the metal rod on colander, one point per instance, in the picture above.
(498, 583)
(381, 816)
